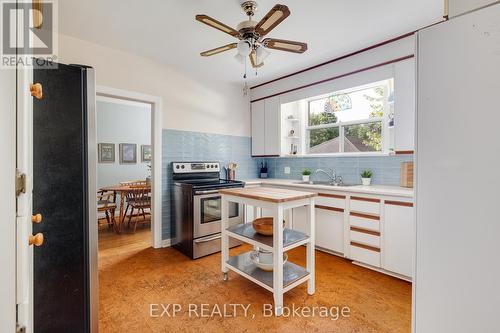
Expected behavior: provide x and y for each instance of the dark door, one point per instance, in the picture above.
(60, 195)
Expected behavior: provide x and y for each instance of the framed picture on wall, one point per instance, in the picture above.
(106, 152)
(128, 153)
(145, 153)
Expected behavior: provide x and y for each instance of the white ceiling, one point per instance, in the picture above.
(166, 31)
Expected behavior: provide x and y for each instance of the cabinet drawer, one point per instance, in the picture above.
(365, 205)
(365, 254)
(364, 221)
(330, 200)
(367, 237)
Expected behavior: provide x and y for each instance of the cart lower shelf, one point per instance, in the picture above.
(293, 274)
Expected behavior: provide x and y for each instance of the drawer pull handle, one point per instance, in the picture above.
(365, 231)
(336, 196)
(366, 247)
(399, 203)
(366, 216)
(365, 199)
(333, 209)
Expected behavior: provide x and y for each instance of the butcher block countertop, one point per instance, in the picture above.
(268, 194)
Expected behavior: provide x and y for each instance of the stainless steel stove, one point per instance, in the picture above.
(197, 208)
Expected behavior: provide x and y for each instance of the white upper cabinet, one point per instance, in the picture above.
(258, 129)
(404, 106)
(273, 126)
(266, 127)
(458, 7)
(399, 238)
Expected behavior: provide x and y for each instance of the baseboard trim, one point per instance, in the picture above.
(166, 243)
(383, 271)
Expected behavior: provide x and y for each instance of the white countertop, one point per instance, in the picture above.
(372, 189)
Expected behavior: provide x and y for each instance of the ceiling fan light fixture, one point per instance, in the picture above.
(262, 53)
(240, 58)
(244, 48)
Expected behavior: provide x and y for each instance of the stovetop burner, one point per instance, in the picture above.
(201, 175)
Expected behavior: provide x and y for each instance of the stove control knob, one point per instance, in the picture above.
(182, 166)
(177, 166)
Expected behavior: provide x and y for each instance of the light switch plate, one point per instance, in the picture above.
(287, 170)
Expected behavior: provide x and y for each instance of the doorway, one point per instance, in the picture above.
(128, 127)
(123, 174)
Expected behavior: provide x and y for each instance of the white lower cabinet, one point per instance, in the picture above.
(399, 237)
(375, 230)
(330, 230)
(365, 254)
(329, 227)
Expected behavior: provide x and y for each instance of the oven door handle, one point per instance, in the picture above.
(207, 239)
(206, 192)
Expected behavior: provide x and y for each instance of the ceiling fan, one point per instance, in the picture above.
(251, 34)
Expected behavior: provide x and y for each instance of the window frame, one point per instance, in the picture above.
(341, 125)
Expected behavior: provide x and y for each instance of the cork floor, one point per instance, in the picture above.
(132, 276)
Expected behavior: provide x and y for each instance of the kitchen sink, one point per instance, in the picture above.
(325, 183)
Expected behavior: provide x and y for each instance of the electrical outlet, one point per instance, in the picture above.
(287, 170)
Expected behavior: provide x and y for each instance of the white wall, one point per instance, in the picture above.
(121, 123)
(457, 7)
(189, 103)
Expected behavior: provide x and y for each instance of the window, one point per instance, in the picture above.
(349, 121)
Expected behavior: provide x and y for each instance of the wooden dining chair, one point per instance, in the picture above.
(106, 203)
(139, 198)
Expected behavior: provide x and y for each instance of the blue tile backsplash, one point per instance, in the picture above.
(180, 146)
(195, 146)
(386, 169)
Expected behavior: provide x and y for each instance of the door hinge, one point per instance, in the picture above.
(20, 183)
(20, 329)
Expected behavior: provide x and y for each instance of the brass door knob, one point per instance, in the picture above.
(36, 218)
(36, 240)
(36, 90)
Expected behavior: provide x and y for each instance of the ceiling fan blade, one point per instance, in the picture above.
(217, 25)
(219, 50)
(272, 19)
(285, 45)
(254, 60)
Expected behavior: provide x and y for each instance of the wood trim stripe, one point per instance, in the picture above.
(336, 77)
(404, 152)
(365, 216)
(336, 196)
(365, 231)
(265, 155)
(371, 47)
(399, 203)
(334, 209)
(365, 199)
(366, 247)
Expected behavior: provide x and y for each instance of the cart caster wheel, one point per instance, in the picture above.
(225, 277)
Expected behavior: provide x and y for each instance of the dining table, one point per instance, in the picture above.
(121, 190)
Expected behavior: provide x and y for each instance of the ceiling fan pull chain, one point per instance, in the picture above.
(245, 75)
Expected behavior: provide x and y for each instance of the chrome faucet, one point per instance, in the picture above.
(332, 177)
